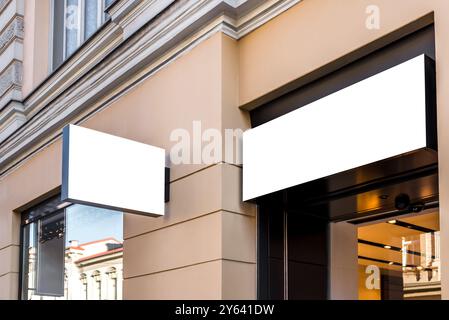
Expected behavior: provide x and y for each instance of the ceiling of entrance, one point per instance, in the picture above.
(382, 242)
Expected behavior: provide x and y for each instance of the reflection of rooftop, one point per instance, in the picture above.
(100, 254)
(108, 240)
(101, 248)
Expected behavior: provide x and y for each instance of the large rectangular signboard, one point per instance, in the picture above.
(378, 118)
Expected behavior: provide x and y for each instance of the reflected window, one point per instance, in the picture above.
(69, 250)
(75, 21)
(83, 280)
(399, 259)
(112, 284)
(97, 285)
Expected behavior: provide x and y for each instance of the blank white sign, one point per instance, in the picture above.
(112, 172)
(375, 119)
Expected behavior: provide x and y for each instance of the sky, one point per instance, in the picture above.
(85, 224)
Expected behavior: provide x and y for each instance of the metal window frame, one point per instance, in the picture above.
(51, 37)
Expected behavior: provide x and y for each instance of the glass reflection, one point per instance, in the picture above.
(84, 243)
(72, 26)
(399, 259)
(91, 23)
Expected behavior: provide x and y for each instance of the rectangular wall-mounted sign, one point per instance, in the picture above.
(378, 118)
(107, 171)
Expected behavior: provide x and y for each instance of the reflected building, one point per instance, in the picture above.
(400, 258)
(421, 273)
(93, 271)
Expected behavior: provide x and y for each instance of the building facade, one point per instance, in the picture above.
(189, 76)
(92, 272)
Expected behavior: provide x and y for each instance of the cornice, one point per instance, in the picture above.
(103, 70)
(87, 60)
(132, 15)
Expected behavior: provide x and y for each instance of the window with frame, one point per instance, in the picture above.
(97, 284)
(75, 21)
(112, 284)
(68, 249)
(83, 280)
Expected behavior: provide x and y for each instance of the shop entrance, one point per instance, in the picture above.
(378, 239)
(371, 232)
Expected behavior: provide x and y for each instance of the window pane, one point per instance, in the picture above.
(108, 3)
(95, 245)
(91, 17)
(58, 33)
(72, 26)
(86, 224)
(74, 254)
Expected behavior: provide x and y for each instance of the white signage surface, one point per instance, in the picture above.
(375, 119)
(112, 172)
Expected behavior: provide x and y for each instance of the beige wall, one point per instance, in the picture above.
(206, 227)
(205, 246)
(36, 57)
(315, 33)
(31, 180)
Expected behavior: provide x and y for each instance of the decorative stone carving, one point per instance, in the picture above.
(13, 30)
(11, 76)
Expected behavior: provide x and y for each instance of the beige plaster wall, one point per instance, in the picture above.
(206, 227)
(37, 46)
(39, 175)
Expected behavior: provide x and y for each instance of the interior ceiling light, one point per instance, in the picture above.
(391, 263)
(392, 221)
(63, 205)
(387, 247)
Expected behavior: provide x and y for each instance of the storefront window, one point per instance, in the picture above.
(69, 250)
(399, 259)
